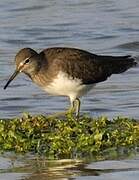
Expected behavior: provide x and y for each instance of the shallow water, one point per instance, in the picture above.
(33, 168)
(102, 27)
(99, 26)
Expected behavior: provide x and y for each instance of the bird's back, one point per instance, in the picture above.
(88, 67)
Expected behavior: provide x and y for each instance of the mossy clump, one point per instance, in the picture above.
(67, 137)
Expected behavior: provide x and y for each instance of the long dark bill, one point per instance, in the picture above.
(11, 78)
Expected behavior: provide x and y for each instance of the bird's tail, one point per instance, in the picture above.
(117, 64)
(122, 63)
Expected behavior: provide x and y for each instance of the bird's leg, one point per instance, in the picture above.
(78, 103)
(57, 114)
(72, 109)
(75, 107)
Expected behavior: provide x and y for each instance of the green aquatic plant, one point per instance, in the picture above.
(67, 137)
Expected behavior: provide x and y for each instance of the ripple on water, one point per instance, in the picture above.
(130, 46)
(31, 8)
(41, 24)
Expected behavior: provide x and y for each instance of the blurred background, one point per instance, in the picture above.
(99, 26)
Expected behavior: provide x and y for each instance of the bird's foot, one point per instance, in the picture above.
(72, 113)
(58, 114)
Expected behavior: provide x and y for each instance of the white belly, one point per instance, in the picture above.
(66, 86)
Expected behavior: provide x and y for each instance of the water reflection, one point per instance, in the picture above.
(35, 168)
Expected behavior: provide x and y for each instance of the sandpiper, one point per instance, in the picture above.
(68, 71)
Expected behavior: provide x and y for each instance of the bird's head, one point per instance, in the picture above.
(27, 61)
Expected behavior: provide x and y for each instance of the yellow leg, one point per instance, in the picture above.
(74, 108)
(78, 104)
(57, 114)
(71, 110)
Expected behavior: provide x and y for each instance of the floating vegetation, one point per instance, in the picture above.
(67, 137)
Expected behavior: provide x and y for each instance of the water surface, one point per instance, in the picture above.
(102, 27)
(30, 167)
(99, 26)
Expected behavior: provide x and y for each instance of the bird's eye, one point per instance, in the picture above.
(26, 61)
